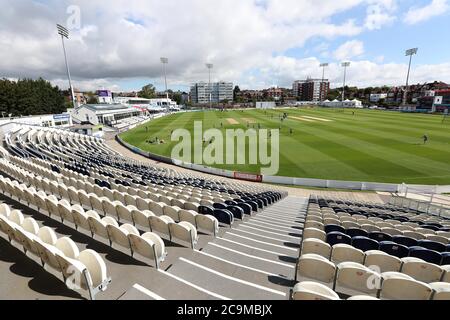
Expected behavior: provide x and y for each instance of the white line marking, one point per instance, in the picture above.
(258, 241)
(277, 222)
(233, 278)
(147, 292)
(258, 235)
(251, 256)
(279, 228)
(281, 211)
(195, 286)
(278, 215)
(237, 264)
(252, 247)
(278, 234)
(275, 216)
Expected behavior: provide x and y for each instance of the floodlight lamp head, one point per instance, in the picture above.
(411, 52)
(345, 64)
(324, 64)
(164, 60)
(62, 31)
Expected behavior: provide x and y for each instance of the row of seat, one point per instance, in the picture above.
(383, 260)
(116, 209)
(351, 253)
(398, 246)
(148, 245)
(350, 221)
(62, 254)
(432, 228)
(237, 207)
(310, 290)
(352, 278)
(385, 212)
(49, 204)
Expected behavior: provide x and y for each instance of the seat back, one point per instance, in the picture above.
(423, 271)
(346, 253)
(334, 238)
(405, 289)
(308, 290)
(313, 266)
(355, 276)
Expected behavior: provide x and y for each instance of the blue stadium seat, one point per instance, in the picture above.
(425, 254)
(224, 216)
(206, 210)
(380, 236)
(246, 207)
(354, 232)
(401, 219)
(253, 204)
(365, 244)
(445, 258)
(220, 206)
(334, 228)
(435, 224)
(430, 227)
(237, 212)
(432, 245)
(394, 249)
(338, 237)
(447, 248)
(406, 241)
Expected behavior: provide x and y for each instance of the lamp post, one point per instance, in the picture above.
(323, 66)
(410, 53)
(345, 65)
(210, 66)
(165, 61)
(64, 33)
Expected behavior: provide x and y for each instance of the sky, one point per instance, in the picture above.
(255, 44)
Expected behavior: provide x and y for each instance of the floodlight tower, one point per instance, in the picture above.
(164, 62)
(210, 66)
(64, 33)
(345, 65)
(323, 66)
(410, 53)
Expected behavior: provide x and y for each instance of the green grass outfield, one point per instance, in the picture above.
(372, 145)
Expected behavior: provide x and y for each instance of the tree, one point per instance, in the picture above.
(177, 97)
(236, 92)
(92, 99)
(30, 97)
(148, 92)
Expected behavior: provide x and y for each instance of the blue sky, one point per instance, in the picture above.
(253, 43)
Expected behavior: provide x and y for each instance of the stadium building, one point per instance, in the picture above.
(311, 89)
(219, 91)
(107, 114)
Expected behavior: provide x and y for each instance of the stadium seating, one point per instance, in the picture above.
(400, 260)
(80, 182)
(61, 255)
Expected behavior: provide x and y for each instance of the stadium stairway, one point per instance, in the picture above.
(253, 261)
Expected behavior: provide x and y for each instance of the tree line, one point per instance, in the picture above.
(30, 97)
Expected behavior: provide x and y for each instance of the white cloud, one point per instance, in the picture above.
(126, 38)
(350, 49)
(361, 73)
(419, 14)
(380, 13)
(123, 41)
